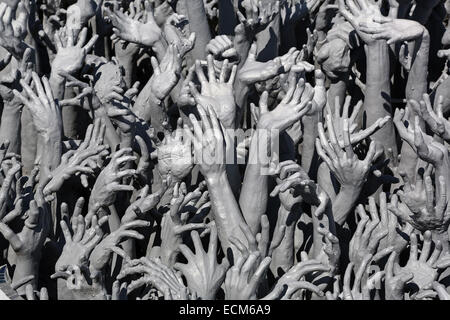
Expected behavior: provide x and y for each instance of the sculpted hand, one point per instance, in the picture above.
(83, 160)
(203, 273)
(44, 109)
(79, 242)
(217, 94)
(178, 221)
(101, 254)
(295, 104)
(175, 154)
(359, 12)
(344, 164)
(392, 30)
(244, 278)
(165, 74)
(108, 182)
(70, 53)
(142, 30)
(394, 283)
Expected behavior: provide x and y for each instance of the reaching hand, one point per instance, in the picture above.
(203, 273)
(217, 93)
(71, 54)
(142, 29)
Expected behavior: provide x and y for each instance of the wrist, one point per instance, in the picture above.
(351, 191)
(216, 178)
(159, 47)
(55, 74)
(51, 138)
(376, 45)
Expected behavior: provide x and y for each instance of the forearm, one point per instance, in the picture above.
(254, 192)
(344, 203)
(69, 116)
(50, 152)
(283, 255)
(129, 66)
(242, 43)
(415, 88)
(159, 48)
(10, 128)
(57, 83)
(338, 88)
(111, 136)
(198, 23)
(225, 209)
(126, 141)
(28, 137)
(25, 267)
(310, 134)
(377, 102)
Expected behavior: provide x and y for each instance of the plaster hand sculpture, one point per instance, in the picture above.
(232, 150)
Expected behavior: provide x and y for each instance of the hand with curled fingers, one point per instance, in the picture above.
(394, 282)
(80, 161)
(428, 212)
(144, 204)
(392, 30)
(261, 243)
(154, 273)
(293, 280)
(362, 14)
(295, 104)
(101, 254)
(222, 48)
(434, 118)
(330, 252)
(83, 284)
(208, 141)
(253, 71)
(363, 283)
(397, 236)
(256, 17)
(427, 148)
(179, 220)
(295, 186)
(13, 28)
(109, 181)
(367, 236)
